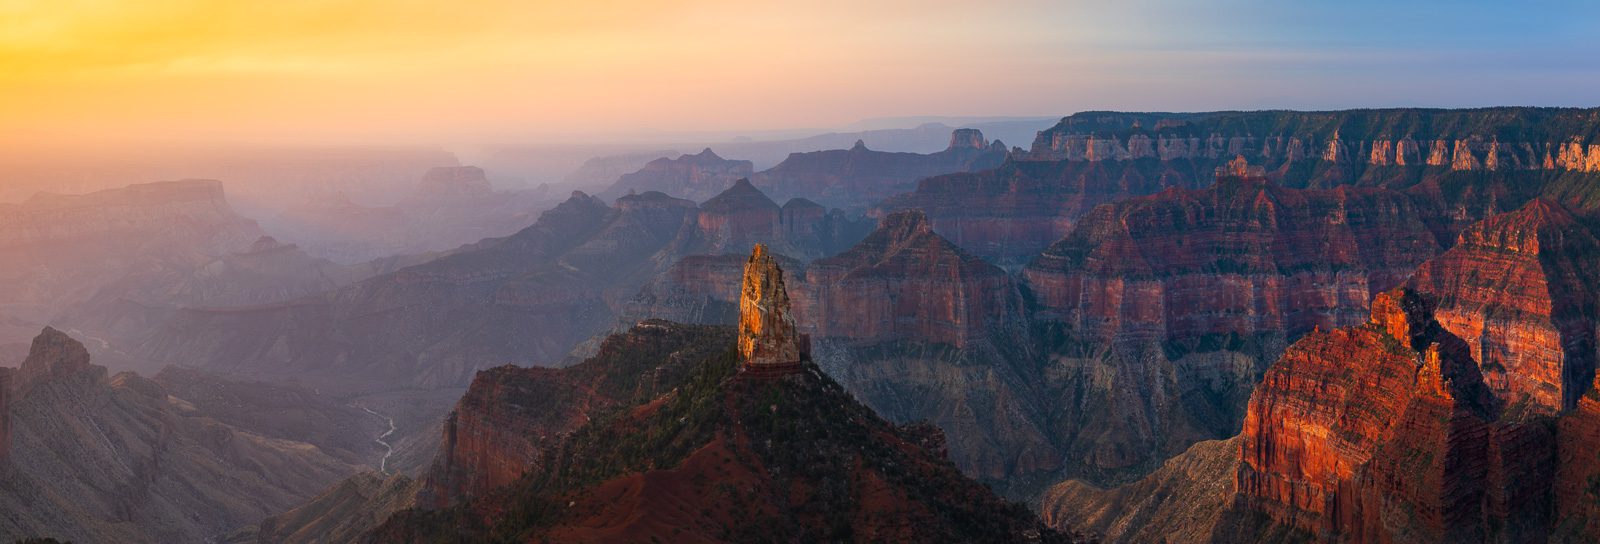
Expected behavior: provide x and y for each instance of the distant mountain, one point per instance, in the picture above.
(695, 177)
(450, 206)
(859, 177)
(125, 458)
(526, 298)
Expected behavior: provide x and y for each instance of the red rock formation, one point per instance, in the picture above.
(1521, 288)
(1239, 257)
(767, 336)
(510, 416)
(691, 454)
(1372, 433)
(904, 282)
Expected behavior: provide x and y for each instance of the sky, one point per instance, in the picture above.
(103, 72)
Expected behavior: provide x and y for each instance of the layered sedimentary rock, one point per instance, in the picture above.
(1095, 157)
(859, 177)
(1521, 288)
(1452, 415)
(1240, 257)
(694, 177)
(692, 453)
(904, 282)
(123, 459)
(1376, 432)
(767, 335)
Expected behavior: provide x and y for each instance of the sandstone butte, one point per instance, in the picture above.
(768, 341)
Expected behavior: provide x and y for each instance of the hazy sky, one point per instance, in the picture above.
(485, 71)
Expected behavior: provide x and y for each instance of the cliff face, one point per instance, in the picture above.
(1091, 158)
(903, 282)
(1520, 287)
(694, 177)
(859, 177)
(1375, 432)
(701, 452)
(1240, 257)
(123, 459)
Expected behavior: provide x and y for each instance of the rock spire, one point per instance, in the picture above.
(767, 336)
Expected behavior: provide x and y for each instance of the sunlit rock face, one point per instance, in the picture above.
(1521, 288)
(767, 336)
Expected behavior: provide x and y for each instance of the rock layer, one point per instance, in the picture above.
(1240, 257)
(1520, 287)
(1090, 158)
(904, 282)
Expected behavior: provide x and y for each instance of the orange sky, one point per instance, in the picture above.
(359, 69)
(401, 71)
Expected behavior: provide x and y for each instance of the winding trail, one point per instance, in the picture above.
(383, 464)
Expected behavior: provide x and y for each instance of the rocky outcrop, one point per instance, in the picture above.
(906, 283)
(694, 177)
(859, 177)
(1520, 287)
(454, 181)
(767, 336)
(124, 459)
(1374, 432)
(692, 453)
(510, 417)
